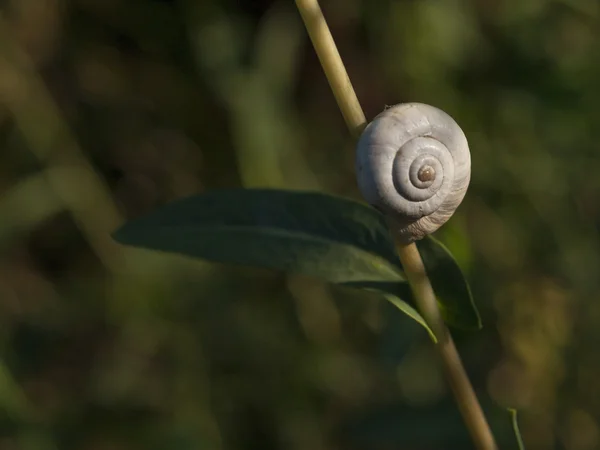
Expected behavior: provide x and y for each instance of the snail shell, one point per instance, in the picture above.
(413, 164)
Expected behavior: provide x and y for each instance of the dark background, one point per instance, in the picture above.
(110, 108)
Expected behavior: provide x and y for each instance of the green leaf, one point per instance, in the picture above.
(316, 234)
(390, 291)
(337, 239)
(410, 312)
(449, 284)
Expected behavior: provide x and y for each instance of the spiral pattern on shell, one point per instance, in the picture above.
(413, 164)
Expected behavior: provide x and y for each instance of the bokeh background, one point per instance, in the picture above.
(110, 108)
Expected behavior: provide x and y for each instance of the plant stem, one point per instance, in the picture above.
(349, 105)
(332, 65)
(455, 373)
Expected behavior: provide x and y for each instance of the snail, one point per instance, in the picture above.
(413, 165)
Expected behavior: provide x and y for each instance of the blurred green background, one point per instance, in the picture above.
(110, 108)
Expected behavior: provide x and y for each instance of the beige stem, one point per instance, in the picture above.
(455, 372)
(409, 255)
(332, 65)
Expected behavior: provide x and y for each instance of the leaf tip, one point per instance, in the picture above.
(478, 325)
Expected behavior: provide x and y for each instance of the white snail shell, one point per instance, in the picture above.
(413, 164)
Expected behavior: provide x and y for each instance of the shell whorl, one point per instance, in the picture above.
(413, 164)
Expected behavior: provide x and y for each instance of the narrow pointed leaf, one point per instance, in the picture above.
(410, 312)
(449, 284)
(391, 291)
(330, 237)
